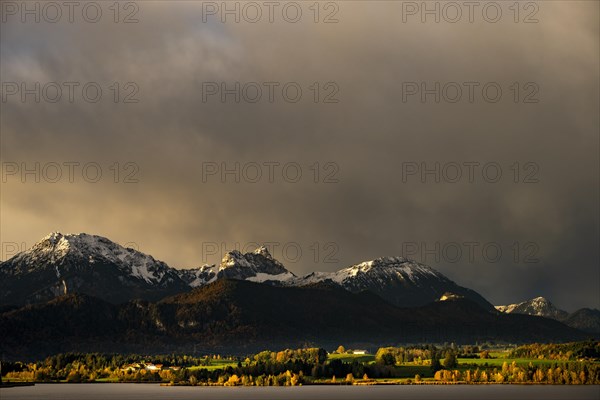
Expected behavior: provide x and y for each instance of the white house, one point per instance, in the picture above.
(153, 368)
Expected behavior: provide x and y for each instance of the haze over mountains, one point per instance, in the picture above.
(95, 266)
(585, 319)
(83, 292)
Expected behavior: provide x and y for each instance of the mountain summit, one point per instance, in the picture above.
(538, 306)
(58, 249)
(83, 263)
(585, 319)
(401, 281)
(96, 266)
(256, 266)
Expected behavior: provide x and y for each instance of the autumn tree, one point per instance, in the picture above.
(435, 361)
(450, 360)
(385, 356)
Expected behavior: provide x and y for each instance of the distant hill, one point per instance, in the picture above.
(400, 281)
(538, 306)
(241, 316)
(585, 319)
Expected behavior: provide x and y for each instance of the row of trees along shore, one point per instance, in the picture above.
(570, 363)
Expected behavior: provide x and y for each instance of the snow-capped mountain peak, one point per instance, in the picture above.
(200, 276)
(401, 281)
(51, 248)
(234, 258)
(58, 249)
(257, 265)
(99, 267)
(53, 238)
(263, 251)
(83, 263)
(385, 268)
(538, 306)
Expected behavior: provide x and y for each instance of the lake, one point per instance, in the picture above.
(132, 391)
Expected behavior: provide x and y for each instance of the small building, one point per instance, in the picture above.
(131, 367)
(153, 368)
(360, 352)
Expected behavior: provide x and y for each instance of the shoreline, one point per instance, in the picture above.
(16, 384)
(370, 383)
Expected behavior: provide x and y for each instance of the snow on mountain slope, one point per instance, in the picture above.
(87, 264)
(507, 309)
(381, 270)
(369, 271)
(56, 247)
(262, 277)
(538, 306)
(399, 280)
(585, 319)
(96, 266)
(201, 276)
(258, 266)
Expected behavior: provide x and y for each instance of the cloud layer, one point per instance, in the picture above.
(356, 149)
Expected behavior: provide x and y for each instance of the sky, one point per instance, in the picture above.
(333, 134)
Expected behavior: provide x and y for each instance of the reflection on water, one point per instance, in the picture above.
(131, 391)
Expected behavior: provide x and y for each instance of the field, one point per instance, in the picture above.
(493, 362)
(500, 357)
(215, 364)
(409, 370)
(361, 358)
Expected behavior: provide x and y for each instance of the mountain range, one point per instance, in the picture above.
(98, 267)
(86, 293)
(538, 306)
(585, 319)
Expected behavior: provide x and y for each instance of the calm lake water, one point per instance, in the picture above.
(128, 391)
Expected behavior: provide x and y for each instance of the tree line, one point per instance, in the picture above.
(571, 363)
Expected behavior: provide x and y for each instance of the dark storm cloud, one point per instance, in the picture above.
(174, 214)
